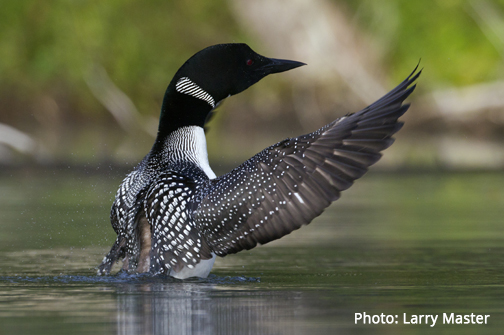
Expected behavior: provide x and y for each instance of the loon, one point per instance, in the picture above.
(173, 215)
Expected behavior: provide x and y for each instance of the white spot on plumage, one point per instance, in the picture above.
(299, 197)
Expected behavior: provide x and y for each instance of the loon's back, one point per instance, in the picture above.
(162, 186)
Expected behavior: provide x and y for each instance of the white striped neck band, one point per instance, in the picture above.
(186, 86)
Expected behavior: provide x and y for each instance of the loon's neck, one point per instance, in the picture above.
(186, 144)
(181, 110)
(181, 137)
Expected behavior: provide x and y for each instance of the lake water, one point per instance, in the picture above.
(401, 244)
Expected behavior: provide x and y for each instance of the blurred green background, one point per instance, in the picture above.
(81, 82)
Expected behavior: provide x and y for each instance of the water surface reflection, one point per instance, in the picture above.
(195, 308)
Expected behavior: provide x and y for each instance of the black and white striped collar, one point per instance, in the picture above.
(187, 86)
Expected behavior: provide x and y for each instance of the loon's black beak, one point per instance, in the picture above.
(279, 65)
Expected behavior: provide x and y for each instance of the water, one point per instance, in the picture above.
(396, 244)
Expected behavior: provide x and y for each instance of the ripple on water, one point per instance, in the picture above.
(126, 278)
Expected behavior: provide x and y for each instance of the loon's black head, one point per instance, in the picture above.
(210, 76)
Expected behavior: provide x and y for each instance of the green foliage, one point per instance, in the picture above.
(47, 50)
(445, 34)
(48, 47)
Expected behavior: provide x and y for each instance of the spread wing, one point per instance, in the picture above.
(124, 216)
(290, 183)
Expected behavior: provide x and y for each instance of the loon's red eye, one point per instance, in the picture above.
(250, 62)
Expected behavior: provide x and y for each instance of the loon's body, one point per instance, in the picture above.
(172, 215)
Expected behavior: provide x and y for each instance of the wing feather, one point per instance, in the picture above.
(290, 183)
